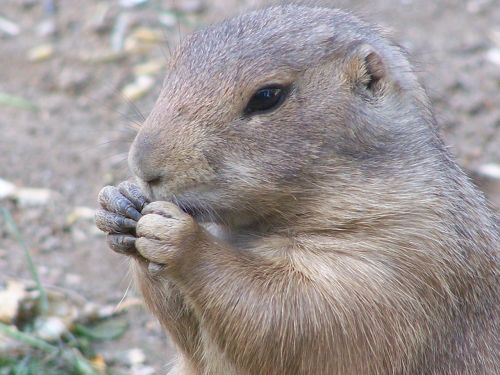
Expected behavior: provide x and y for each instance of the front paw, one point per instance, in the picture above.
(118, 216)
(165, 235)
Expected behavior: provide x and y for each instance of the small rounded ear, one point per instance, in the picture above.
(375, 69)
(366, 67)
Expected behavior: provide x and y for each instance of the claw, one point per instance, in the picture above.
(134, 194)
(123, 244)
(110, 222)
(112, 200)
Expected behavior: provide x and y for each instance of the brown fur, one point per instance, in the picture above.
(348, 240)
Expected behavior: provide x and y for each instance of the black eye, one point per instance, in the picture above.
(266, 99)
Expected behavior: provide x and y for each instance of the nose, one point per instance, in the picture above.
(143, 159)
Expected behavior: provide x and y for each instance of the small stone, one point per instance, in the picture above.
(9, 27)
(135, 46)
(50, 328)
(7, 189)
(80, 213)
(103, 56)
(190, 6)
(88, 312)
(490, 170)
(46, 28)
(32, 197)
(149, 67)
(11, 298)
(137, 89)
(106, 311)
(168, 19)
(148, 35)
(493, 55)
(41, 53)
(142, 39)
(132, 3)
(135, 356)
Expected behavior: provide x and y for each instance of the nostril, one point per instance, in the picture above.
(154, 181)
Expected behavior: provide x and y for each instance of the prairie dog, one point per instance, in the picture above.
(348, 240)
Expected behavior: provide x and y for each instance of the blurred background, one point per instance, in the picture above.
(77, 76)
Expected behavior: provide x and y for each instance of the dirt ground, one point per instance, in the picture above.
(76, 141)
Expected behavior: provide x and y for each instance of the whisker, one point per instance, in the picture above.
(104, 144)
(117, 308)
(167, 44)
(103, 104)
(134, 108)
(178, 24)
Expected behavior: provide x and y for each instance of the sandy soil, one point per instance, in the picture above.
(77, 141)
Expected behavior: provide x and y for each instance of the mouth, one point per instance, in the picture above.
(191, 202)
(193, 205)
(189, 207)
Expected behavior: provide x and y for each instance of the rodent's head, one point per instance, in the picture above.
(260, 109)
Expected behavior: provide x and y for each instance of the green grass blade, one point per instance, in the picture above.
(8, 100)
(81, 365)
(27, 339)
(43, 302)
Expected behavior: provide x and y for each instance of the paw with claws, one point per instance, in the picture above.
(157, 232)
